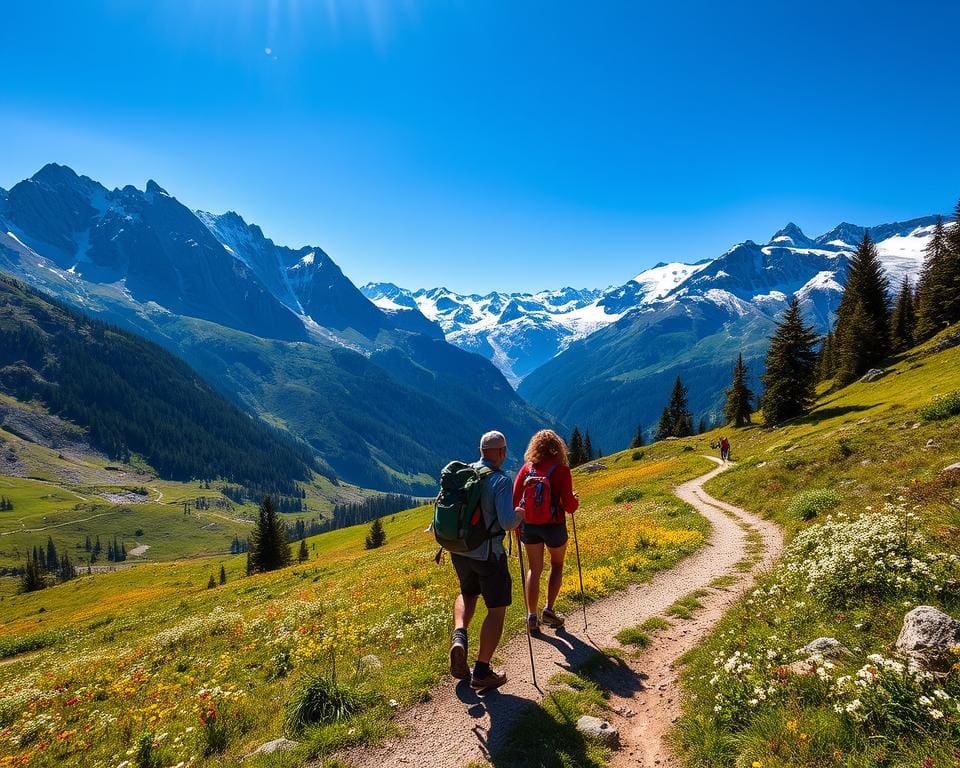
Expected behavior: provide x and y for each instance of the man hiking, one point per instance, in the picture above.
(483, 570)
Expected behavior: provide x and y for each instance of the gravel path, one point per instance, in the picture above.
(457, 727)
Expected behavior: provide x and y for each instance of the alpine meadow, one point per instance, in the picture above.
(462, 385)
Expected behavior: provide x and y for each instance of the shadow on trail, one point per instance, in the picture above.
(515, 732)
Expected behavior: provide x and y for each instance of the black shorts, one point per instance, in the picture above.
(490, 578)
(552, 534)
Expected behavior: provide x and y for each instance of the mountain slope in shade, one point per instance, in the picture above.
(283, 332)
(621, 375)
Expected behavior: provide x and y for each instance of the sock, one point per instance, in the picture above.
(531, 615)
(548, 608)
(480, 669)
(460, 637)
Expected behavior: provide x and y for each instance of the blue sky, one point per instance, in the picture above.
(497, 145)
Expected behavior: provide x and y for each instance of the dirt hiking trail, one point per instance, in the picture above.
(457, 727)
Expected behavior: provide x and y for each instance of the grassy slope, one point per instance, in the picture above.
(130, 651)
(64, 494)
(866, 446)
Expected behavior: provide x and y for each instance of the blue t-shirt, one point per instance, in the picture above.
(496, 504)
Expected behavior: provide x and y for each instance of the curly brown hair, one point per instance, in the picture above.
(546, 444)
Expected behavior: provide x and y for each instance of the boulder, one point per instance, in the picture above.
(952, 468)
(927, 636)
(873, 374)
(828, 647)
(277, 745)
(599, 729)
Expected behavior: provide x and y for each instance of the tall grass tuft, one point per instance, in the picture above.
(943, 407)
(321, 700)
(808, 504)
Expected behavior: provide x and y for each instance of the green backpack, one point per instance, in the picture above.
(458, 523)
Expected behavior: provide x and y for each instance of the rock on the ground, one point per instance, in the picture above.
(828, 647)
(596, 466)
(872, 375)
(277, 745)
(952, 468)
(927, 635)
(599, 729)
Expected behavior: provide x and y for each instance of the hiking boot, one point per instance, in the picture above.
(533, 625)
(492, 679)
(458, 662)
(552, 618)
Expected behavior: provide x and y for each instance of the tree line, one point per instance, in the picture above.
(45, 565)
(870, 326)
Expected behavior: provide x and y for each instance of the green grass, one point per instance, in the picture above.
(654, 624)
(684, 607)
(864, 447)
(634, 636)
(140, 645)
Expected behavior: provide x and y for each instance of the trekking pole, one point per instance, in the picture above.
(523, 586)
(576, 546)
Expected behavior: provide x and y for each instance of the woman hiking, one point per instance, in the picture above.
(544, 490)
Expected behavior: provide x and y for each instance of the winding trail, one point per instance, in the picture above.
(457, 727)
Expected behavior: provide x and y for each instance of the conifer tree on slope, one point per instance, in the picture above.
(951, 273)
(869, 342)
(377, 537)
(790, 377)
(576, 448)
(587, 447)
(903, 322)
(268, 543)
(827, 358)
(638, 437)
(930, 300)
(676, 420)
(739, 403)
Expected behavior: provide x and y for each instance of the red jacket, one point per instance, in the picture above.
(561, 484)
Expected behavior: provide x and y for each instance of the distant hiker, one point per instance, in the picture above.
(483, 569)
(544, 490)
(724, 449)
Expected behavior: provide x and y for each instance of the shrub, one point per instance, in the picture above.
(942, 407)
(637, 455)
(874, 555)
(845, 448)
(630, 493)
(808, 504)
(12, 646)
(321, 700)
(887, 697)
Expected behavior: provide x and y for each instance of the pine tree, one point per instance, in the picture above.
(52, 559)
(827, 358)
(303, 554)
(32, 578)
(740, 398)
(268, 543)
(664, 426)
(223, 574)
(587, 447)
(951, 272)
(637, 441)
(903, 322)
(676, 420)
(790, 376)
(576, 455)
(377, 536)
(867, 286)
(212, 582)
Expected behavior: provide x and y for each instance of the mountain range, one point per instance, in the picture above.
(605, 359)
(385, 383)
(384, 400)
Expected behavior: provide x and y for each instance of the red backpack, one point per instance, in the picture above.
(540, 506)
